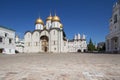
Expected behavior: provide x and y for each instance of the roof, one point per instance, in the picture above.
(6, 28)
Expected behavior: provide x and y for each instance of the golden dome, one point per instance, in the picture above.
(49, 18)
(61, 26)
(39, 21)
(56, 18)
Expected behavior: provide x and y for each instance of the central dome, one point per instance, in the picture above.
(39, 21)
(49, 18)
(56, 18)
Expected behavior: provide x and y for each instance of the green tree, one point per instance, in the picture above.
(91, 46)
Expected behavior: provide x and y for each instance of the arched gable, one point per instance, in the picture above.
(28, 36)
(35, 36)
(44, 32)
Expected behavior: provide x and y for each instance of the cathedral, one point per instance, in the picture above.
(50, 37)
(113, 38)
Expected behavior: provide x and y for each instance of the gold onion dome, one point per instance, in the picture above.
(49, 18)
(56, 18)
(39, 21)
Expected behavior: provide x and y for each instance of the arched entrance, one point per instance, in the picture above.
(44, 43)
(78, 50)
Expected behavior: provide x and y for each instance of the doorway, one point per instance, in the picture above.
(44, 43)
(1, 50)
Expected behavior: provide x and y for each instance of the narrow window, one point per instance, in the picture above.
(28, 43)
(64, 44)
(54, 32)
(36, 44)
(10, 41)
(54, 42)
(5, 34)
(115, 19)
(0, 39)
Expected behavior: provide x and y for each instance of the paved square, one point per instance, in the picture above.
(67, 66)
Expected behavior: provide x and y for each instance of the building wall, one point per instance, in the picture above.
(8, 40)
(113, 38)
(77, 46)
(19, 45)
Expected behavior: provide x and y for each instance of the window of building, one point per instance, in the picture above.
(5, 34)
(108, 44)
(115, 19)
(0, 39)
(10, 41)
(54, 42)
(54, 32)
(115, 40)
(28, 43)
(36, 44)
(64, 44)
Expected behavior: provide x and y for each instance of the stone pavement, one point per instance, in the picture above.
(67, 66)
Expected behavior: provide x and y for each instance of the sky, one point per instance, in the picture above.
(89, 17)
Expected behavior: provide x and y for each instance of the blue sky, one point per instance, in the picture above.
(89, 17)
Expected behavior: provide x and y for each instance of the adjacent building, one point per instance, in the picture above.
(78, 44)
(7, 40)
(50, 37)
(113, 38)
(19, 45)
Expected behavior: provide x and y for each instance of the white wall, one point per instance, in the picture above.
(9, 48)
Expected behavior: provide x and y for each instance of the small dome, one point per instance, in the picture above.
(39, 21)
(56, 18)
(61, 26)
(49, 18)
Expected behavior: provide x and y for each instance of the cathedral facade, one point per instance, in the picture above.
(113, 38)
(50, 37)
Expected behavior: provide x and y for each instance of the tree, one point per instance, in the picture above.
(91, 46)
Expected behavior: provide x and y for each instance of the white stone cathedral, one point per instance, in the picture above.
(113, 38)
(50, 37)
